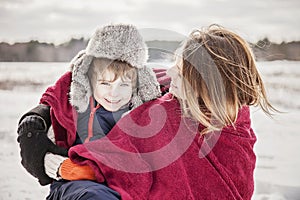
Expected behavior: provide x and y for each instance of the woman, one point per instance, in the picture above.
(201, 142)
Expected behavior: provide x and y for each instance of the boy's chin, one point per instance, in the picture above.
(111, 108)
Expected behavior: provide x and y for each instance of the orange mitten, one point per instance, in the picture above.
(72, 171)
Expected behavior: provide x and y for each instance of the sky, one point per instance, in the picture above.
(57, 21)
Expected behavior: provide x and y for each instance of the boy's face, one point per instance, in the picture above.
(112, 95)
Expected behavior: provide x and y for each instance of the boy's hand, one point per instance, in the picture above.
(34, 144)
(72, 171)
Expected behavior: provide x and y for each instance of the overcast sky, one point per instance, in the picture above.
(59, 20)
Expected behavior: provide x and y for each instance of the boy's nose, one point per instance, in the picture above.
(114, 91)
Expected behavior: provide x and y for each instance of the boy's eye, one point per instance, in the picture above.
(104, 83)
(124, 84)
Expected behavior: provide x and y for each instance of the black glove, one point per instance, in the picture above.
(34, 144)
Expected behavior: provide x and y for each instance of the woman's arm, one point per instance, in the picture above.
(32, 134)
(34, 143)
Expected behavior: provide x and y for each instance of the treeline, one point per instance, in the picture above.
(268, 51)
(35, 51)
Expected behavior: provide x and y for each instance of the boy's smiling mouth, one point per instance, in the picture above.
(112, 101)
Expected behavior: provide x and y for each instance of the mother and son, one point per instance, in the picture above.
(113, 128)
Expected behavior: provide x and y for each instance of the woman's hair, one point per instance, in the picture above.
(219, 77)
(121, 69)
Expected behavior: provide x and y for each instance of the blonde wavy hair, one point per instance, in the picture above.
(219, 77)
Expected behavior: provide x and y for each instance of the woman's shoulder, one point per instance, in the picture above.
(242, 126)
(166, 100)
(166, 104)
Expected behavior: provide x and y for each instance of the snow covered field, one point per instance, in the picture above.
(277, 175)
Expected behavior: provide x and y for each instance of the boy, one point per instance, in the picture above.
(106, 80)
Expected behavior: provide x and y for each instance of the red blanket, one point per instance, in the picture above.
(154, 153)
(63, 115)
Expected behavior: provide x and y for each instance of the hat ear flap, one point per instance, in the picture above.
(147, 87)
(80, 89)
(77, 59)
(136, 101)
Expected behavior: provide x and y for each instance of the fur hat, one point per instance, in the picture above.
(115, 42)
(121, 42)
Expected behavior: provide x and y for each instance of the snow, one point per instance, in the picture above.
(277, 174)
(15, 182)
